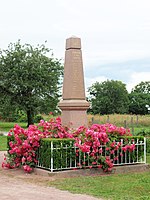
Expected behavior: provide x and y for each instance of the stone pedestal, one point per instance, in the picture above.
(73, 104)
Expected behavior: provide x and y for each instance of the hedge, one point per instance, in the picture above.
(66, 158)
(59, 153)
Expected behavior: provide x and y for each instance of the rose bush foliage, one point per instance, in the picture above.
(22, 150)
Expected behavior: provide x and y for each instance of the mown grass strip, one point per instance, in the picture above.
(3, 143)
(6, 126)
(148, 158)
(115, 187)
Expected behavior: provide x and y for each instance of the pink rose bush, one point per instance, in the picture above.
(23, 148)
(92, 141)
(101, 138)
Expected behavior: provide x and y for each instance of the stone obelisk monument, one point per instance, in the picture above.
(73, 104)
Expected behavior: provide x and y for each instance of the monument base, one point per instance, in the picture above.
(74, 113)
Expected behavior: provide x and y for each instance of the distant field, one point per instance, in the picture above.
(6, 126)
(121, 120)
(135, 123)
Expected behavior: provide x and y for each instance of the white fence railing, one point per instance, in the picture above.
(60, 157)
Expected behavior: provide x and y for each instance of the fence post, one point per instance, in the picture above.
(125, 123)
(131, 121)
(145, 150)
(52, 156)
(132, 130)
(107, 118)
(137, 120)
(132, 127)
(92, 120)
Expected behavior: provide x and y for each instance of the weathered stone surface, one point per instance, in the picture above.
(73, 85)
(73, 104)
(73, 43)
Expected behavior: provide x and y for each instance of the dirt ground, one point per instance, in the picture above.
(17, 185)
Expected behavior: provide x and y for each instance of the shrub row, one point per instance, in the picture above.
(27, 147)
(148, 145)
(61, 153)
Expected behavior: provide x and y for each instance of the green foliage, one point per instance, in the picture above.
(58, 152)
(14, 116)
(109, 97)
(138, 102)
(148, 158)
(140, 99)
(67, 157)
(145, 133)
(148, 145)
(129, 138)
(37, 118)
(3, 143)
(10, 139)
(138, 150)
(140, 137)
(143, 87)
(29, 80)
(130, 157)
(6, 126)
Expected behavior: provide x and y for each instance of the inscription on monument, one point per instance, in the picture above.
(73, 104)
(77, 81)
(73, 75)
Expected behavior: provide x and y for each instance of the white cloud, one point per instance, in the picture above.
(90, 81)
(136, 78)
(111, 32)
(103, 56)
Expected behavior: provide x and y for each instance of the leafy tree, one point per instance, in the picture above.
(143, 87)
(140, 98)
(109, 97)
(29, 79)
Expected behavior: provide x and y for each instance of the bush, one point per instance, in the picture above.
(24, 144)
(148, 145)
(22, 117)
(14, 116)
(61, 156)
(147, 135)
(37, 118)
(144, 133)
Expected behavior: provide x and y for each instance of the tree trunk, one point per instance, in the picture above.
(30, 117)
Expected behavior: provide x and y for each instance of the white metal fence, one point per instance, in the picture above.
(60, 157)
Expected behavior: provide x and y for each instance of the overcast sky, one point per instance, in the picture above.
(115, 34)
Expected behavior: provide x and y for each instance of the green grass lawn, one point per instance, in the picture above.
(138, 130)
(148, 158)
(115, 187)
(6, 126)
(3, 143)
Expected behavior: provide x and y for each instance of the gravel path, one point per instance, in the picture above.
(16, 185)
